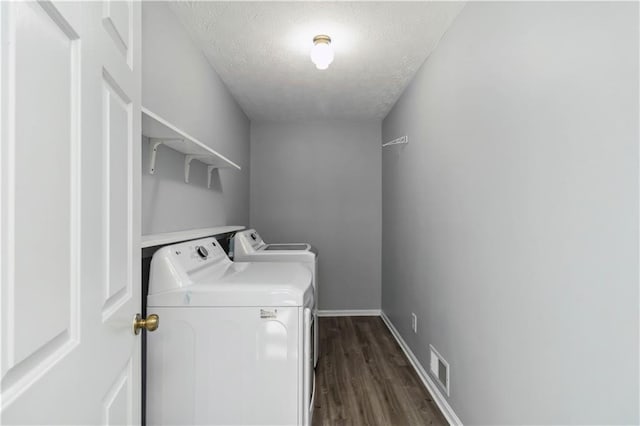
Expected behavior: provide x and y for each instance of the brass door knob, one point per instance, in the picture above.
(150, 323)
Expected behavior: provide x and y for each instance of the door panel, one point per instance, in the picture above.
(117, 403)
(69, 212)
(42, 130)
(117, 152)
(117, 20)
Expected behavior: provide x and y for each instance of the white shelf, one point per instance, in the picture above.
(161, 132)
(190, 234)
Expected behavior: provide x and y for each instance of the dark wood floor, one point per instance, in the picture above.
(364, 378)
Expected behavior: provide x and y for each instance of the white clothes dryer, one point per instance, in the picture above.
(248, 246)
(234, 344)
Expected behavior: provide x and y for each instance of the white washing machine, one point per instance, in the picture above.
(234, 345)
(248, 246)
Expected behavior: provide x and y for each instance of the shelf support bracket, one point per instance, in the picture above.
(155, 143)
(187, 164)
(210, 170)
(399, 141)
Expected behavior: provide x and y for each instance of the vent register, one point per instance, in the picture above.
(439, 369)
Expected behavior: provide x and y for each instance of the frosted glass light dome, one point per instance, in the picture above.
(321, 52)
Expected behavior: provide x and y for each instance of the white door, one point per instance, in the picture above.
(69, 212)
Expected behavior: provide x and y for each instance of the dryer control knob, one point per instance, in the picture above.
(202, 252)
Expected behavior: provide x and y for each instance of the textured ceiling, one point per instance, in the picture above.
(261, 52)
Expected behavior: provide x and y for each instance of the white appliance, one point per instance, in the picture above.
(234, 342)
(248, 246)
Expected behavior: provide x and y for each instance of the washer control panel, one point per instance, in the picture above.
(175, 265)
(195, 254)
(202, 252)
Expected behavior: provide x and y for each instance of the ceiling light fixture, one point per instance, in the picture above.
(321, 52)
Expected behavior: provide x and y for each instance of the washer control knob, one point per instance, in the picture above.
(202, 252)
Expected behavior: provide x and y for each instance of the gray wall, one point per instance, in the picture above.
(510, 221)
(320, 183)
(179, 85)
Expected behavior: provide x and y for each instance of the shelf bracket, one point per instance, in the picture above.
(210, 170)
(187, 164)
(155, 143)
(399, 141)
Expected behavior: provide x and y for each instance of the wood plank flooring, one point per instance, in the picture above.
(364, 378)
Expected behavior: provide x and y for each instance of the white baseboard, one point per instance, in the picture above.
(350, 313)
(440, 400)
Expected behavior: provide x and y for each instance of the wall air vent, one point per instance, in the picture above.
(439, 369)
